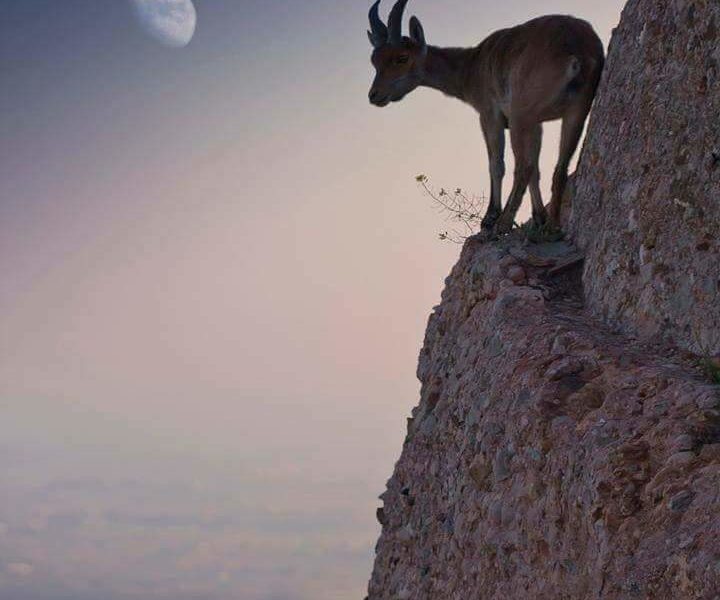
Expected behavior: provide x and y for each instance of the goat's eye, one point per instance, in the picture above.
(402, 59)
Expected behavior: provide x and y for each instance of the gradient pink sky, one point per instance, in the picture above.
(217, 270)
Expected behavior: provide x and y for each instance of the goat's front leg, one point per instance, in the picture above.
(526, 141)
(494, 131)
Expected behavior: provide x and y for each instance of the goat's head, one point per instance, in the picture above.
(398, 60)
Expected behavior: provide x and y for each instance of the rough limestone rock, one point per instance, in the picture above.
(549, 458)
(647, 208)
(566, 446)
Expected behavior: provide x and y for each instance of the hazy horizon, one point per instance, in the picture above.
(217, 274)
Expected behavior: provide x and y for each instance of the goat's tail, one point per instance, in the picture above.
(573, 69)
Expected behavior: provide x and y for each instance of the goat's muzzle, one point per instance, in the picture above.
(377, 99)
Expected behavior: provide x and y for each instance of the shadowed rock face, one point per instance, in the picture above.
(647, 192)
(548, 458)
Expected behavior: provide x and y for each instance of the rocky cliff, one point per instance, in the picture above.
(566, 445)
(647, 209)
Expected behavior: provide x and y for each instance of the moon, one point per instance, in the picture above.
(171, 22)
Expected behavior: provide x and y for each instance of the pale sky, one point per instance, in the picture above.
(217, 270)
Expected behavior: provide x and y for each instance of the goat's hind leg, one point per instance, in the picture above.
(526, 141)
(572, 128)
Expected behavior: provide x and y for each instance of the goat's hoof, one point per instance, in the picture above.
(488, 223)
(541, 219)
(554, 215)
(485, 236)
(503, 227)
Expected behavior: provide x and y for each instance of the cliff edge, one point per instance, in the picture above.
(566, 445)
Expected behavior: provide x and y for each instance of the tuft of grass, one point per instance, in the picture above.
(711, 367)
(539, 234)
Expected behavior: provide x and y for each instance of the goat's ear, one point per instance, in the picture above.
(375, 41)
(417, 33)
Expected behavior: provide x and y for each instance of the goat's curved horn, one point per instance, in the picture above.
(395, 21)
(378, 30)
